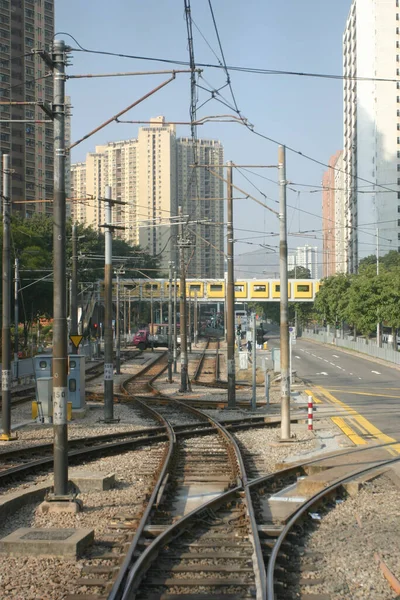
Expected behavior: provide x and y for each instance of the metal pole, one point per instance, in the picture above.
(124, 301)
(175, 321)
(196, 333)
(284, 327)
(60, 349)
(129, 316)
(170, 359)
(378, 324)
(108, 332)
(6, 304)
(16, 320)
(118, 333)
(254, 365)
(182, 295)
(74, 282)
(230, 297)
(190, 321)
(151, 317)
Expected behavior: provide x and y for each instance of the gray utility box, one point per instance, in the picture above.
(43, 365)
(76, 380)
(45, 397)
(276, 359)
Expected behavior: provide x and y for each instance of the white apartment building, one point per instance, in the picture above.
(371, 49)
(307, 257)
(153, 176)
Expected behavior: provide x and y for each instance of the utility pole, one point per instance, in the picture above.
(118, 333)
(170, 360)
(378, 324)
(254, 365)
(6, 302)
(16, 319)
(74, 283)
(175, 321)
(108, 333)
(190, 321)
(60, 347)
(182, 243)
(195, 319)
(151, 316)
(230, 296)
(124, 301)
(284, 327)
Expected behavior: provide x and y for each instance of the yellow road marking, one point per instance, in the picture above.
(351, 434)
(315, 399)
(366, 394)
(364, 423)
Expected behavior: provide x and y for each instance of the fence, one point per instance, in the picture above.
(359, 345)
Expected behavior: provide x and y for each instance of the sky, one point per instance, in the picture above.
(303, 113)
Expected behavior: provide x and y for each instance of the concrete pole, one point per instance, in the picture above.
(175, 321)
(378, 325)
(284, 328)
(196, 333)
(60, 349)
(182, 295)
(118, 332)
(108, 332)
(6, 303)
(170, 344)
(129, 315)
(230, 297)
(190, 321)
(16, 319)
(74, 282)
(254, 365)
(124, 301)
(151, 315)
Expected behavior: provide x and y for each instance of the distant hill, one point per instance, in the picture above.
(258, 264)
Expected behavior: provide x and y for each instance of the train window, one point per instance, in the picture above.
(277, 287)
(195, 287)
(239, 288)
(150, 286)
(260, 288)
(303, 288)
(215, 287)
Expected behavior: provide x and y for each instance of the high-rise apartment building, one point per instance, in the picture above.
(333, 218)
(25, 26)
(201, 193)
(307, 257)
(371, 158)
(153, 176)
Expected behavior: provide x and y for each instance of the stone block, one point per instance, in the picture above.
(92, 481)
(69, 543)
(60, 507)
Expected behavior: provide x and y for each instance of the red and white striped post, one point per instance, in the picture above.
(310, 413)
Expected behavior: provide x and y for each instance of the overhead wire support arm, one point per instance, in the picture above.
(132, 73)
(122, 112)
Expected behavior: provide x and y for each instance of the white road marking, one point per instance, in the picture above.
(326, 360)
(335, 356)
(351, 373)
(314, 355)
(359, 378)
(298, 357)
(301, 349)
(322, 373)
(337, 366)
(307, 352)
(376, 372)
(333, 364)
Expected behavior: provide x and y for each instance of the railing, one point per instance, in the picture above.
(359, 345)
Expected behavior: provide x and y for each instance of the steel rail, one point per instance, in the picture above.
(298, 513)
(200, 363)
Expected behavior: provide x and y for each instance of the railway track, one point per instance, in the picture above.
(207, 372)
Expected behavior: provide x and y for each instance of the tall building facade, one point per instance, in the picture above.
(201, 193)
(333, 221)
(24, 26)
(371, 158)
(307, 257)
(153, 176)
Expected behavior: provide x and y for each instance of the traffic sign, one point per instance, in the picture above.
(76, 340)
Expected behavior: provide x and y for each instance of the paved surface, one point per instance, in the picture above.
(364, 394)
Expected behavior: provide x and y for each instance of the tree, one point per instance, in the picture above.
(299, 273)
(363, 302)
(332, 298)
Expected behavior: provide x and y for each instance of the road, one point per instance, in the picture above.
(366, 394)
